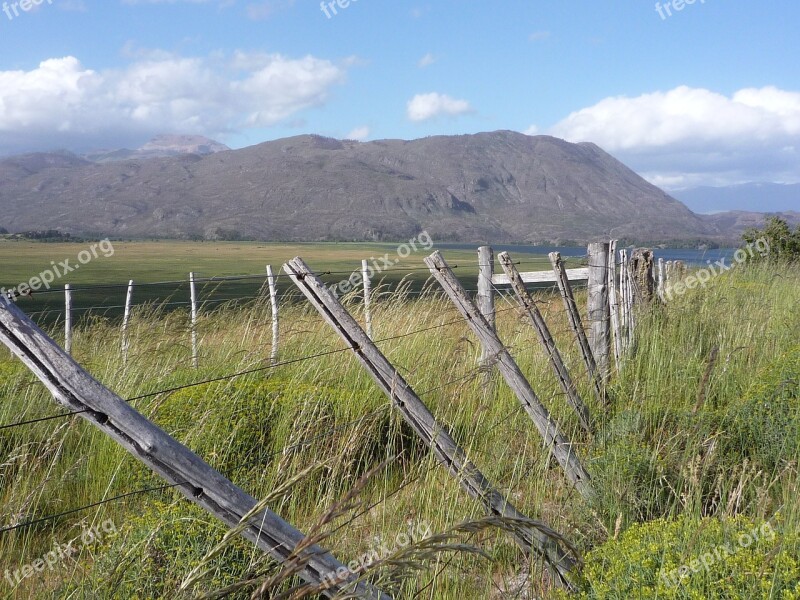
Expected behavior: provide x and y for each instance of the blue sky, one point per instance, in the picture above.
(707, 96)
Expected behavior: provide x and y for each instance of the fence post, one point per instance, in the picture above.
(365, 269)
(414, 411)
(125, 320)
(575, 323)
(561, 448)
(273, 302)
(485, 299)
(193, 297)
(644, 282)
(528, 304)
(68, 318)
(613, 302)
(661, 280)
(76, 390)
(599, 315)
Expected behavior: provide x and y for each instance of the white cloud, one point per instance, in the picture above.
(360, 134)
(424, 107)
(690, 136)
(63, 103)
(426, 61)
(532, 130)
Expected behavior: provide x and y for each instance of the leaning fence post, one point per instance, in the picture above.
(193, 298)
(528, 305)
(599, 316)
(273, 302)
(613, 302)
(68, 319)
(414, 411)
(575, 323)
(125, 320)
(559, 445)
(365, 272)
(485, 296)
(76, 390)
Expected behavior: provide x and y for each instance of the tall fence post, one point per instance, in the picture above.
(485, 297)
(599, 315)
(68, 318)
(414, 411)
(193, 298)
(574, 316)
(613, 303)
(73, 388)
(125, 321)
(644, 282)
(554, 440)
(273, 302)
(528, 304)
(365, 272)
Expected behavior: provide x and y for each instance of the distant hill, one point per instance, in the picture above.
(734, 223)
(160, 147)
(747, 197)
(501, 186)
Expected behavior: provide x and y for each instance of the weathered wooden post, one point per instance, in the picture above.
(485, 297)
(576, 324)
(599, 315)
(528, 305)
(432, 433)
(613, 302)
(193, 298)
(68, 319)
(661, 280)
(365, 271)
(125, 321)
(273, 301)
(76, 390)
(554, 440)
(644, 283)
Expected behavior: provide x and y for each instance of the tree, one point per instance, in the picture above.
(783, 242)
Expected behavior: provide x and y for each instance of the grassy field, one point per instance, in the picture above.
(700, 444)
(172, 261)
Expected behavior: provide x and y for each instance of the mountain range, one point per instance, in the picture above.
(500, 186)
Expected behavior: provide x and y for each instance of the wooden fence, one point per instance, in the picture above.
(615, 289)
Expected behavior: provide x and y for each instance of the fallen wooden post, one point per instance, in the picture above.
(554, 441)
(414, 411)
(543, 332)
(79, 392)
(575, 323)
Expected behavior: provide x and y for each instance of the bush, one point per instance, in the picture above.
(687, 558)
(782, 241)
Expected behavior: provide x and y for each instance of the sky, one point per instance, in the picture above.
(706, 93)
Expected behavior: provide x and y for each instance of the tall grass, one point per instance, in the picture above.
(703, 424)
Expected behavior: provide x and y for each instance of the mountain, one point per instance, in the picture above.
(752, 197)
(161, 146)
(735, 222)
(501, 186)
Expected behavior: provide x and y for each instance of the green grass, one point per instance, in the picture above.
(663, 453)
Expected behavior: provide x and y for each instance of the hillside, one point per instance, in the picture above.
(500, 186)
